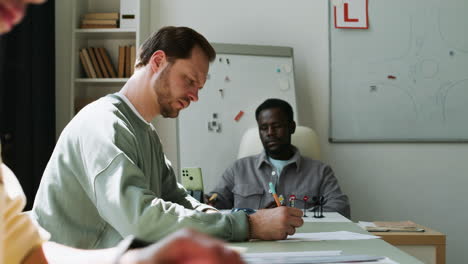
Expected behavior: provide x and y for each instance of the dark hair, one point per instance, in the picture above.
(176, 42)
(276, 103)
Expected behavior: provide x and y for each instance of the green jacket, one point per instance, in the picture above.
(108, 178)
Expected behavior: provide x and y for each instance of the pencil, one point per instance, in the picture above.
(214, 196)
(275, 196)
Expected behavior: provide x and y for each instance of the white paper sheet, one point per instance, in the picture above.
(320, 236)
(296, 254)
(365, 224)
(308, 257)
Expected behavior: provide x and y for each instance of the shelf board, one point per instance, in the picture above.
(105, 33)
(101, 80)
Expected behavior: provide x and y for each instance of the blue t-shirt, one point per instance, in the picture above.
(279, 165)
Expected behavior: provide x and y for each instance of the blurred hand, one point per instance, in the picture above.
(276, 223)
(12, 12)
(184, 247)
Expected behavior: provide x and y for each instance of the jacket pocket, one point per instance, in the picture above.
(247, 196)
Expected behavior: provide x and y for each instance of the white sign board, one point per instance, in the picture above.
(351, 14)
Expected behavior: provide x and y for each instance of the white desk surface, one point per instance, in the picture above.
(331, 217)
(367, 247)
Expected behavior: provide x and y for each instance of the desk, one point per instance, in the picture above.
(428, 246)
(369, 247)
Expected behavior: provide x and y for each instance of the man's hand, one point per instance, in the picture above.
(210, 200)
(184, 246)
(276, 223)
(271, 205)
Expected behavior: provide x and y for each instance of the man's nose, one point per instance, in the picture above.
(270, 130)
(193, 95)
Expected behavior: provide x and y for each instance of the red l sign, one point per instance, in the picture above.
(346, 14)
(350, 13)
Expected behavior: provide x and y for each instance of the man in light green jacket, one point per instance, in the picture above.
(108, 176)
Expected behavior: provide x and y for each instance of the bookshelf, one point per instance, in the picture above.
(84, 89)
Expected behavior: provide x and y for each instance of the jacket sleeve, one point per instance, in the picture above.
(224, 189)
(335, 200)
(125, 201)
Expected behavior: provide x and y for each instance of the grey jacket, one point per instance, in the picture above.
(245, 184)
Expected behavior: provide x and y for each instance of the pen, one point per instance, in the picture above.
(275, 196)
(214, 196)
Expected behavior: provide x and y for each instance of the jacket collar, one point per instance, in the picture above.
(262, 158)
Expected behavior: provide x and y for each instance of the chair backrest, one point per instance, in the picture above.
(305, 139)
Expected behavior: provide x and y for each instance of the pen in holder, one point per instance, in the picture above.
(318, 209)
(292, 200)
(306, 198)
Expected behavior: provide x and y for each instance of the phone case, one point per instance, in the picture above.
(192, 179)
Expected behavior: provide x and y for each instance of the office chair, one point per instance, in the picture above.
(305, 139)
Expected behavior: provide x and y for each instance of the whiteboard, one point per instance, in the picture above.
(403, 79)
(240, 79)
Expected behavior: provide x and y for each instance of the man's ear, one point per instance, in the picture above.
(292, 127)
(158, 60)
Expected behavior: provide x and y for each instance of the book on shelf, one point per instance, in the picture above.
(121, 63)
(95, 63)
(402, 226)
(107, 62)
(128, 63)
(98, 26)
(85, 65)
(101, 63)
(89, 63)
(132, 58)
(99, 22)
(112, 15)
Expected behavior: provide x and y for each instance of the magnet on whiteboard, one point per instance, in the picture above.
(239, 115)
(227, 79)
(283, 84)
(287, 68)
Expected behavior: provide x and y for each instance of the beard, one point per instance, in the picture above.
(164, 94)
(277, 150)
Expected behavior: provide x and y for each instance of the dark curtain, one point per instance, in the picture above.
(27, 96)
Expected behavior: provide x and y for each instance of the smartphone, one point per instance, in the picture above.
(192, 179)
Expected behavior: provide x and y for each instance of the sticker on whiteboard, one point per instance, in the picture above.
(351, 14)
(283, 84)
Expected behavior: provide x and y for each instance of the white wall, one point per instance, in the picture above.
(420, 182)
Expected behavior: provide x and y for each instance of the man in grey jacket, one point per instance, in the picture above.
(246, 183)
